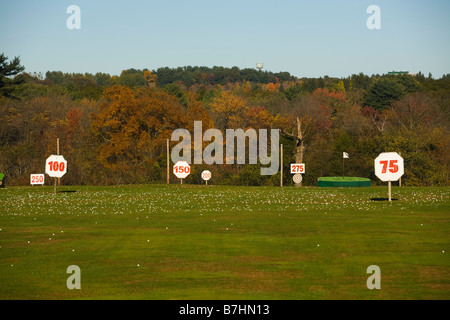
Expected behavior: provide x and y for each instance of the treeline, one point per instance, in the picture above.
(113, 129)
(91, 85)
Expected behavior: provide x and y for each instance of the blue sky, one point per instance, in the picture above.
(305, 38)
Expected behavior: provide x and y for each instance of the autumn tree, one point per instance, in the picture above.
(28, 133)
(229, 110)
(330, 100)
(133, 126)
(259, 117)
(418, 110)
(377, 118)
(151, 78)
(77, 143)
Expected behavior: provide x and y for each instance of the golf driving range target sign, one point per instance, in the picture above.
(297, 178)
(297, 168)
(206, 175)
(181, 169)
(37, 178)
(56, 166)
(389, 166)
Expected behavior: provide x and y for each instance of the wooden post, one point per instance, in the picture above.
(168, 170)
(56, 179)
(281, 171)
(389, 190)
(300, 148)
(57, 152)
(54, 185)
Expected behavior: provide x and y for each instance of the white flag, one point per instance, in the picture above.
(345, 155)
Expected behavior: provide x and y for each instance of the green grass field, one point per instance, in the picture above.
(220, 242)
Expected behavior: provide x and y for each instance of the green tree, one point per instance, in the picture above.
(293, 92)
(360, 81)
(383, 92)
(132, 78)
(8, 70)
(56, 77)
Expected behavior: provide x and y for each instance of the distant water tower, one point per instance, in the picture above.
(259, 65)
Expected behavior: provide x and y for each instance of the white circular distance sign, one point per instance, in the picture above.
(389, 166)
(297, 178)
(181, 169)
(206, 175)
(56, 166)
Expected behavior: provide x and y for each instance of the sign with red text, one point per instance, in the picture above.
(389, 166)
(37, 178)
(297, 168)
(56, 166)
(206, 175)
(181, 169)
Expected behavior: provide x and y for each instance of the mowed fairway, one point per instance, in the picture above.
(223, 242)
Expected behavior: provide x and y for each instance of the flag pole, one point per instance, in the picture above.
(281, 167)
(168, 170)
(344, 155)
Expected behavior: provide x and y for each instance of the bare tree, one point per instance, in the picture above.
(299, 136)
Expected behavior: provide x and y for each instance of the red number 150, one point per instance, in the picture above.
(180, 169)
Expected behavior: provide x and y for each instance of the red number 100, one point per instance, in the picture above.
(55, 166)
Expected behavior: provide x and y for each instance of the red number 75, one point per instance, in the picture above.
(393, 167)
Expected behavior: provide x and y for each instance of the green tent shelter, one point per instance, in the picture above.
(343, 182)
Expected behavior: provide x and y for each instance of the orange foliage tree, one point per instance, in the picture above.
(259, 117)
(229, 110)
(130, 124)
(133, 126)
